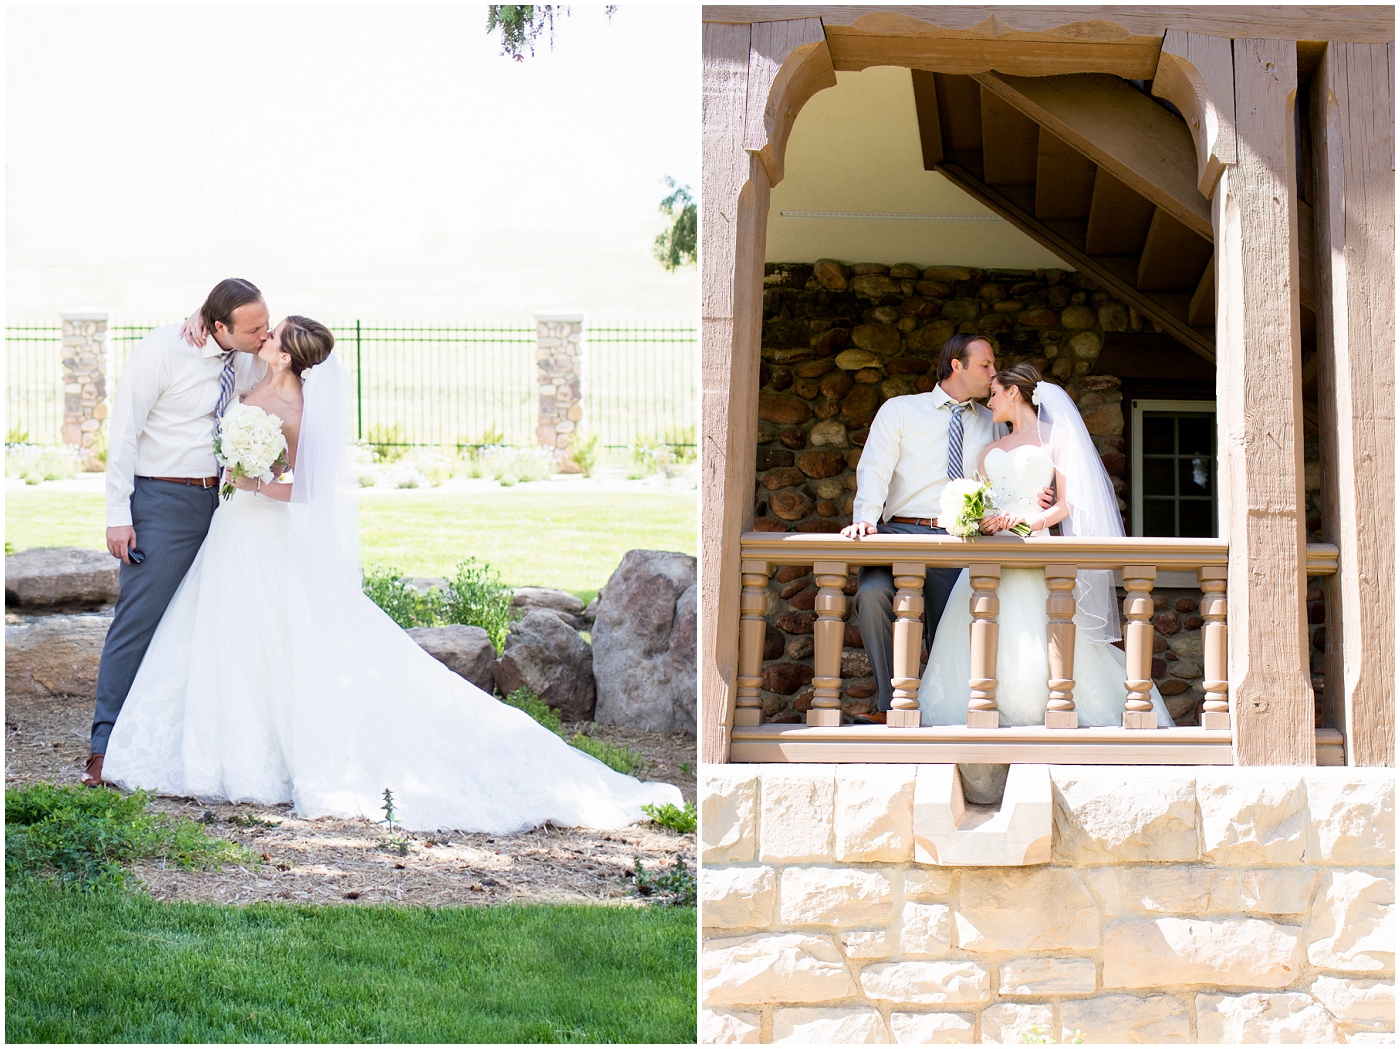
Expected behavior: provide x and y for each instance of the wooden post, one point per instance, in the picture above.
(982, 704)
(753, 626)
(829, 633)
(1059, 644)
(737, 81)
(1217, 706)
(1137, 608)
(1260, 415)
(909, 580)
(1353, 123)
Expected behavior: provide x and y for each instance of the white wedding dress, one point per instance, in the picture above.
(1023, 667)
(265, 684)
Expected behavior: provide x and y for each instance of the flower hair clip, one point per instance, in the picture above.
(1035, 394)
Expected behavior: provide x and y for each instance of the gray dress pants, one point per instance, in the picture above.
(982, 784)
(171, 521)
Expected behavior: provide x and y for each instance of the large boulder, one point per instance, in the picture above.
(61, 577)
(53, 655)
(566, 605)
(546, 654)
(465, 650)
(644, 643)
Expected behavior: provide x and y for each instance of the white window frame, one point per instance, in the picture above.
(1140, 405)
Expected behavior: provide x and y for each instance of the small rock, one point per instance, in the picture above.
(830, 274)
(569, 607)
(465, 650)
(854, 360)
(546, 654)
(829, 434)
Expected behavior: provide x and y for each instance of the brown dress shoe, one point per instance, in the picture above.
(92, 771)
(875, 717)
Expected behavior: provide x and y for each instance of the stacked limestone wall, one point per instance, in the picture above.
(839, 341)
(1180, 905)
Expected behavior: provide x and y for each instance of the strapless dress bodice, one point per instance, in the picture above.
(1018, 475)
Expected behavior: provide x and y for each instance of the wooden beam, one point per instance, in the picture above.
(926, 113)
(959, 113)
(1173, 257)
(1260, 416)
(1119, 128)
(1353, 124)
(1009, 144)
(789, 63)
(1119, 218)
(1202, 311)
(1197, 74)
(733, 224)
(1362, 24)
(1119, 283)
(1064, 181)
(851, 52)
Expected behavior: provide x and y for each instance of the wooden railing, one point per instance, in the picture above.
(1142, 564)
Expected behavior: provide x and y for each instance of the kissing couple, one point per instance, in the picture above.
(244, 662)
(1030, 442)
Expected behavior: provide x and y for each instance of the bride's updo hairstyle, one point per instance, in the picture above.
(307, 342)
(1023, 376)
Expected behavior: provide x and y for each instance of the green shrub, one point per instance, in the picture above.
(390, 443)
(672, 818)
(388, 588)
(618, 758)
(38, 462)
(526, 700)
(82, 838)
(583, 453)
(477, 597)
(678, 882)
(17, 435)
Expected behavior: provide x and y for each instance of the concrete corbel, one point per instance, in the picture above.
(1197, 75)
(788, 63)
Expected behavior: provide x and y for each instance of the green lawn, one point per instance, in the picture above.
(571, 540)
(104, 967)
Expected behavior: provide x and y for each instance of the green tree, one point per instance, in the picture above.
(675, 247)
(523, 24)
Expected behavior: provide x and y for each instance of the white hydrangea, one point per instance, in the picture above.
(249, 441)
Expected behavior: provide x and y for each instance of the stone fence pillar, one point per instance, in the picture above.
(559, 371)
(84, 380)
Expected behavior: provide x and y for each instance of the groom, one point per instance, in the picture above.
(162, 480)
(917, 444)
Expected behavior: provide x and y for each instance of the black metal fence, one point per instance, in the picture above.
(434, 384)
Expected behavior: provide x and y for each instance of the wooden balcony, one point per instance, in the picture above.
(1139, 563)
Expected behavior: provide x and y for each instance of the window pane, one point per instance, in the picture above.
(1195, 519)
(1159, 517)
(1157, 476)
(1194, 434)
(1158, 434)
(1194, 475)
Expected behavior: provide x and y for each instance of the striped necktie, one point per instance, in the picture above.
(955, 443)
(225, 385)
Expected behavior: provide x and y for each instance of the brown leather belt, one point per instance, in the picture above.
(927, 522)
(194, 482)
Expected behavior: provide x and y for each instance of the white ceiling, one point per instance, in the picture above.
(855, 148)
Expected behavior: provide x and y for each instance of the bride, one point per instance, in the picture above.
(273, 678)
(1044, 443)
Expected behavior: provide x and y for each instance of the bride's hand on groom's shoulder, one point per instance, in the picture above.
(193, 331)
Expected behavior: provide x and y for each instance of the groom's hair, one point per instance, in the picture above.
(226, 297)
(956, 349)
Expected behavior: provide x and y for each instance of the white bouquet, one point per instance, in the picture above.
(965, 501)
(249, 442)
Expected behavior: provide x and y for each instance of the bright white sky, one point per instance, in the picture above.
(386, 163)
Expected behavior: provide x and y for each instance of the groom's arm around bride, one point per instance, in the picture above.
(162, 480)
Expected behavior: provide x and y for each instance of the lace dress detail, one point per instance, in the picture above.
(1023, 667)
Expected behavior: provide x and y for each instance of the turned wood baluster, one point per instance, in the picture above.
(753, 603)
(982, 705)
(1059, 641)
(829, 634)
(1216, 713)
(909, 581)
(1137, 635)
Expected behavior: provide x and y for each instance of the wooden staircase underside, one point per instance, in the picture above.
(1098, 173)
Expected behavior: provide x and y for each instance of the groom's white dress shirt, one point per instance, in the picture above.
(904, 466)
(163, 416)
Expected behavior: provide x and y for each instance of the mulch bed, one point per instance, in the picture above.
(349, 862)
